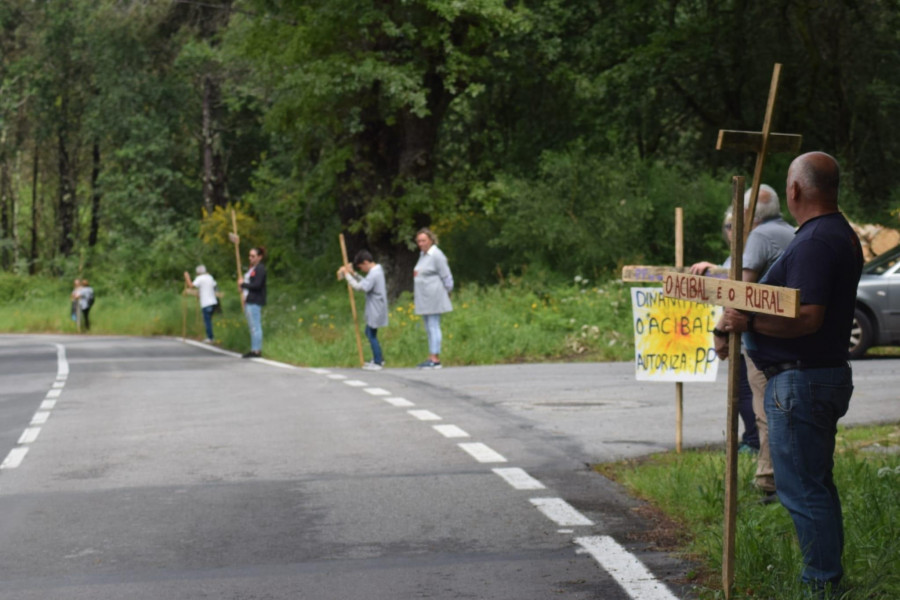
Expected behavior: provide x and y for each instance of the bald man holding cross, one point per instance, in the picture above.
(805, 362)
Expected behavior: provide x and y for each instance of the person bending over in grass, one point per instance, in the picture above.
(374, 286)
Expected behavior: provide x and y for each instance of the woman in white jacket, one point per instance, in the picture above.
(433, 283)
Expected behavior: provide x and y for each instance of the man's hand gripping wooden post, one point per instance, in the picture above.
(749, 297)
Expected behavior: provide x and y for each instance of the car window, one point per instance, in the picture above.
(883, 262)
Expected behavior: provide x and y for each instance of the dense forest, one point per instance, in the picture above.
(553, 135)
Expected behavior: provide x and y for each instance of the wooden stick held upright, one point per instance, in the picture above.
(237, 252)
(184, 313)
(679, 385)
(734, 377)
(352, 303)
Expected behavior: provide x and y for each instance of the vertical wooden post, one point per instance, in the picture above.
(679, 385)
(352, 303)
(184, 313)
(237, 253)
(734, 375)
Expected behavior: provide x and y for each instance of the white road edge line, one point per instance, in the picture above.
(630, 573)
(14, 458)
(275, 363)
(450, 431)
(482, 453)
(424, 415)
(209, 347)
(519, 479)
(560, 512)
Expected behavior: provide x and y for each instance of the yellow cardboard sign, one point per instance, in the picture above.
(673, 338)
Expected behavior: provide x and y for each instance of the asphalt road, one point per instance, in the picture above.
(149, 468)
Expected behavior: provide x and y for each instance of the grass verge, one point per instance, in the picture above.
(689, 489)
(514, 322)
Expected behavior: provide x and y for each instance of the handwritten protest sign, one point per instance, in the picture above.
(754, 297)
(673, 338)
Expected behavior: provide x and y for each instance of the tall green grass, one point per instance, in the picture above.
(516, 322)
(689, 487)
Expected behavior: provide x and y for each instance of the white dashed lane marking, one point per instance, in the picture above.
(630, 573)
(29, 435)
(424, 415)
(14, 458)
(40, 417)
(17, 454)
(399, 402)
(482, 453)
(519, 479)
(356, 383)
(634, 578)
(377, 391)
(450, 431)
(560, 512)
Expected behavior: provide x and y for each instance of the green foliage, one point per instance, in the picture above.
(690, 488)
(525, 319)
(551, 135)
(588, 214)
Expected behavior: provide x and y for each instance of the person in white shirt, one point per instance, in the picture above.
(206, 286)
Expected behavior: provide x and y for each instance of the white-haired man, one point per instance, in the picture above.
(770, 235)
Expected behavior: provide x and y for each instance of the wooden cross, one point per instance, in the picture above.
(751, 297)
(761, 142)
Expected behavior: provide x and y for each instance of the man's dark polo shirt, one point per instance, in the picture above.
(824, 261)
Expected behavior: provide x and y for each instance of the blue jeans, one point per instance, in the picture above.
(207, 320)
(372, 334)
(803, 408)
(254, 321)
(433, 329)
(745, 408)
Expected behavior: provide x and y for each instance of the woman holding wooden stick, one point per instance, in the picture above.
(253, 286)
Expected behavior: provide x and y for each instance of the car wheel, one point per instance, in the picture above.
(860, 334)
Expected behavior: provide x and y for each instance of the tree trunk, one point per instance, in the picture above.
(95, 196)
(214, 177)
(66, 193)
(6, 208)
(33, 255)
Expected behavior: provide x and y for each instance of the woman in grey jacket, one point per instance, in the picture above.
(433, 283)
